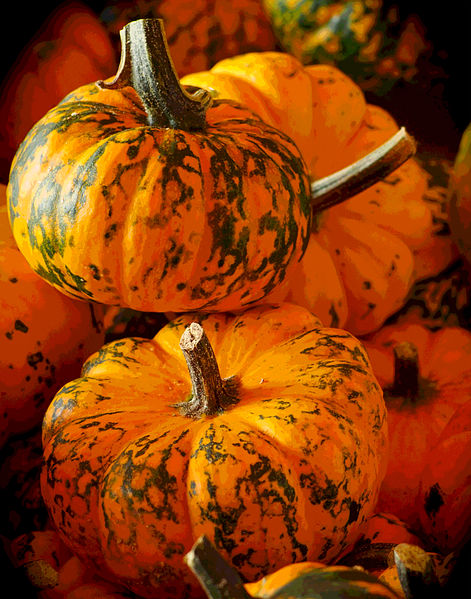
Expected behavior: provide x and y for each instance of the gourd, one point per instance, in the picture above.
(373, 246)
(276, 453)
(161, 199)
(365, 39)
(45, 338)
(425, 376)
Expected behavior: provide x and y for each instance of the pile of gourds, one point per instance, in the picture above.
(236, 337)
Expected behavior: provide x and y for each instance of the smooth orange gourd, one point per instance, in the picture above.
(426, 377)
(364, 253)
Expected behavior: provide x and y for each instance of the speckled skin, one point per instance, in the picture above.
(106, 207)
(289, 472)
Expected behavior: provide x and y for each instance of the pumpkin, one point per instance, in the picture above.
(198, 204)
(365, 39)
(306, 580)
(199, 32)
(45, 338)
(425, 376)
(275, 450)
(205, 207)
(460, 196)
(444, 496)
(373, 246)
(70, 49)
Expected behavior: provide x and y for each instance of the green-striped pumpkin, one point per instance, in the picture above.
(158, 204)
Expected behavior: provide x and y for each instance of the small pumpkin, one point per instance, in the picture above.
(372, 246)
(190, 203)
(199, 32)
(71, 48)
(425, 376)
(460, 196)
(45, 338)
(276, 454)
(366, 39)
(306, 580)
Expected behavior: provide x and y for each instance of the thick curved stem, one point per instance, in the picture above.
(364, 173)
(146, 65)
(210, 393)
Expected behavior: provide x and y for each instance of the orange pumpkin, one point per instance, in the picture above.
(279, 460)
(426, 377)
(188, 205)
(71, 48)
(373, 246)
(45, 338)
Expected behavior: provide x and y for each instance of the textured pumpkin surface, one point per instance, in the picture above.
(415, 423)
(460, 196)
(372, 247)
(444, 498)
(363, 38)
(70, 49)
(289, 472)
(162, 219)
(45, 338)
(199, 32)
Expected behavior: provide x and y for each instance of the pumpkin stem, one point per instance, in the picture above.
(375, 166)
(211, 393)
(406, 371)
(219, 579)
(146, 65)
(416, 572)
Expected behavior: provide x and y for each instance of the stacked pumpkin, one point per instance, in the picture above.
(247, 420)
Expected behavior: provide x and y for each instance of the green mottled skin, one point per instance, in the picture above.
(288, 473)
(105, 207)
